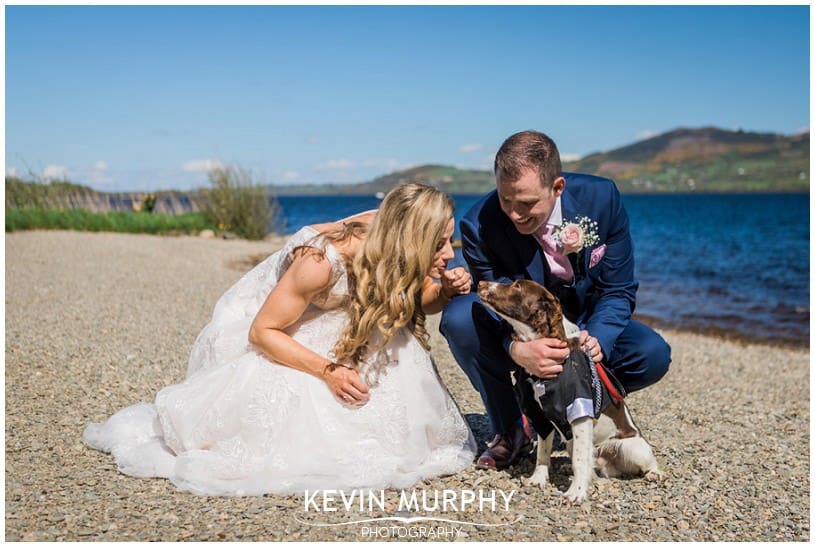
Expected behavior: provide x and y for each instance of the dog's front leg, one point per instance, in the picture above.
(582, 460)
(540, 476)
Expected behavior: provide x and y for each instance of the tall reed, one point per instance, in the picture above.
(236, 203)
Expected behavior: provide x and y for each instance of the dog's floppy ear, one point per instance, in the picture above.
(541, 319)
(552, 317)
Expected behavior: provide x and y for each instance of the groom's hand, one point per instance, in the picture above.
(591, 345)
(542, 357)
(346, 384)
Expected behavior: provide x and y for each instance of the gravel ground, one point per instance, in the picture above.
(96, 322)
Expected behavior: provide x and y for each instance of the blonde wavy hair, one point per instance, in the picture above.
(387, 273)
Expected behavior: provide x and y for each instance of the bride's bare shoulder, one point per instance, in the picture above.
(365, 218)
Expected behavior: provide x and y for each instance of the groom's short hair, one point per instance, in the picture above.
(528, 150)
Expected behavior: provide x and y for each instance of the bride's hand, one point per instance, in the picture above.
(455, 282)
(346, 384)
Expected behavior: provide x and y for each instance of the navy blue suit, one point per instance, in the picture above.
(602, 297)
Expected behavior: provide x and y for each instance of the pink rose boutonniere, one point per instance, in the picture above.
(574, 236)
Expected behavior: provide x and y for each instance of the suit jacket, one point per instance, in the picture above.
(605, 293)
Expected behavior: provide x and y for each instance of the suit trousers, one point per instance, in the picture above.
(640, 356)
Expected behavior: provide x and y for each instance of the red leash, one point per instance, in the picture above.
(601, 372)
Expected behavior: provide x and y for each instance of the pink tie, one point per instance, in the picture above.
(559, 263)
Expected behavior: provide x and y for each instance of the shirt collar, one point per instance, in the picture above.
(554, 222)
(556, 218)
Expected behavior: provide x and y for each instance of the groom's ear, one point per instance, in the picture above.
(558, 185)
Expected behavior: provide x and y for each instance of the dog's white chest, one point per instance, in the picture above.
(572, 330)
(524, 332)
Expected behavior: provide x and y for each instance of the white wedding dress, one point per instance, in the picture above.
(240, 424)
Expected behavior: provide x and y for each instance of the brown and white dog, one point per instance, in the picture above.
(613, 443)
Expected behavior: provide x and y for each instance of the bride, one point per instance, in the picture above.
(315, 371)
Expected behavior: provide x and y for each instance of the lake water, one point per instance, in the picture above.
(726, 264)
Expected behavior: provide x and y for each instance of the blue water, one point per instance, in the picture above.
(724, 264)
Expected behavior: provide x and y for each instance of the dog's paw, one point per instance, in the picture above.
(576, 494)
(540, 477)
(656, 475)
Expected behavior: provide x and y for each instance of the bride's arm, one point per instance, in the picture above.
(308, 275)
(433, 297)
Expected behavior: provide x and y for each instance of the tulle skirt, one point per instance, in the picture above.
(241, 424)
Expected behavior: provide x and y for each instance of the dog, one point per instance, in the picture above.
(603, 435)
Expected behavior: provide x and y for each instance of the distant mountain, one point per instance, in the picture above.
(683, 160)
(450, 179)
(705, 160)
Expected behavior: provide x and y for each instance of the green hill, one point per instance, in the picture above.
(450, 179)
(705, 160)
(683, 160)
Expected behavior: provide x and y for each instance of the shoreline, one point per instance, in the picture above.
(276, 240)
(719, 333)
(96, 322)
(724, 334)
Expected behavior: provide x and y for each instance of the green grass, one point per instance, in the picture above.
(235, 203)
(117, 221)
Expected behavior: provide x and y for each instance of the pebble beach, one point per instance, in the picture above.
(95, 322)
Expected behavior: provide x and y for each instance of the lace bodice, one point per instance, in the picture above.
(337, 291)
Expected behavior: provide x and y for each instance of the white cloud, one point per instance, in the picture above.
(646, 134)
(100, 166)
(336, 164)
(382, 164)
(469, 148)
(196, 166)
(96, 178)
(11, 171)
(312, 139)
(482, 162)
(569, 157)
(153, 179)
(291, 175)
(54, 172)
(802, 130)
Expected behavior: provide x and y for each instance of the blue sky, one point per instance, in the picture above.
(150, 97)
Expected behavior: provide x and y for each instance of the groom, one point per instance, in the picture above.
(570, 233)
